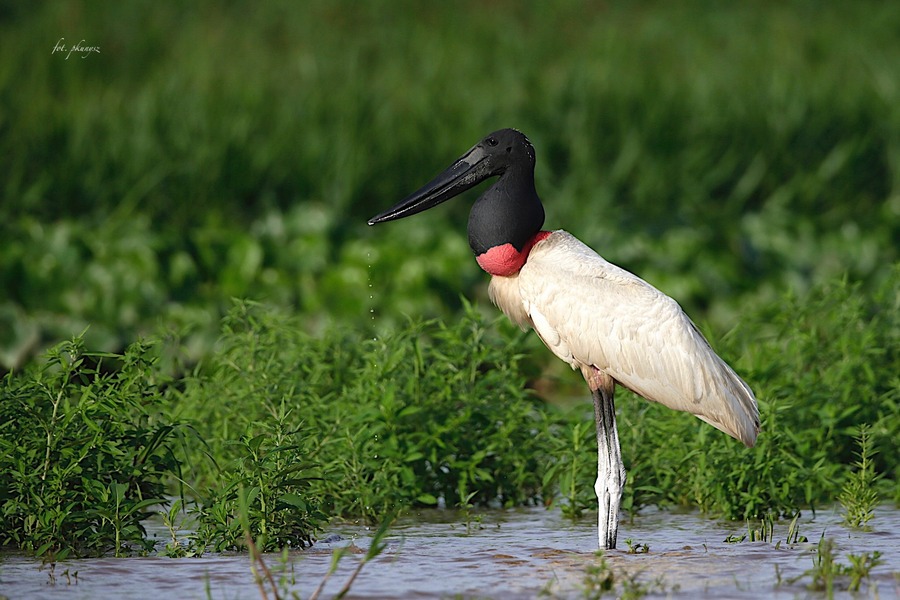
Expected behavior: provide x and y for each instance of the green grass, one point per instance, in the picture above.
(743, 158)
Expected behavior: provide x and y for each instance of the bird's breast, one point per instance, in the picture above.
(505, 260)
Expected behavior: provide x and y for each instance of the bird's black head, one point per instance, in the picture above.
(508, 148)
(508, 212)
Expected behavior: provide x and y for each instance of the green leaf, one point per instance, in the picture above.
(426, 499)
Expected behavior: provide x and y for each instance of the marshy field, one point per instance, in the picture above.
(219, 382)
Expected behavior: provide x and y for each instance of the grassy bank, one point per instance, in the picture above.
(292, 430)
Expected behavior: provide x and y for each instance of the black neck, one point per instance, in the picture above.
(509, 212)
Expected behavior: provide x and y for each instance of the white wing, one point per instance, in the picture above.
(588, 311)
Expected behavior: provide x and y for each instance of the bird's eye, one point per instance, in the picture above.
(491, 141)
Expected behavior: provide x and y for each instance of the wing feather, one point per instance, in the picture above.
(590, 312)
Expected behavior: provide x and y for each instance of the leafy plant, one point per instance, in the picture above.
(84, 452)
(859, 496)
(265, 494)
(636, 547)
(793, 536)
(412, 420)
(599, 578)
(828, 574)
(766, 533)
(575, 463)
(465, 505)
(178, 545)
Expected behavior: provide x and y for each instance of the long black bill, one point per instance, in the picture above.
(467, 172)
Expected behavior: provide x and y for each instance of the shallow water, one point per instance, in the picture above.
(510, 554)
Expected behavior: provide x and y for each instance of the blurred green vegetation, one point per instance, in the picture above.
(724, 152)
(744, 158)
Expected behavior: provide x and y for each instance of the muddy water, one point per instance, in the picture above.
(509, 554)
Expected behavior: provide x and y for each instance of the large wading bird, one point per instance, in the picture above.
(610, 324)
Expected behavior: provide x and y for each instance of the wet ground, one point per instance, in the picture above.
(509, 554)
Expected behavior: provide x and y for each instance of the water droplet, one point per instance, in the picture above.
(371, 296)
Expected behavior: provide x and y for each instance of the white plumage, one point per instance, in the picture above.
(591, 313)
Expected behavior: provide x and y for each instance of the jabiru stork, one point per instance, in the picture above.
(601, 319)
